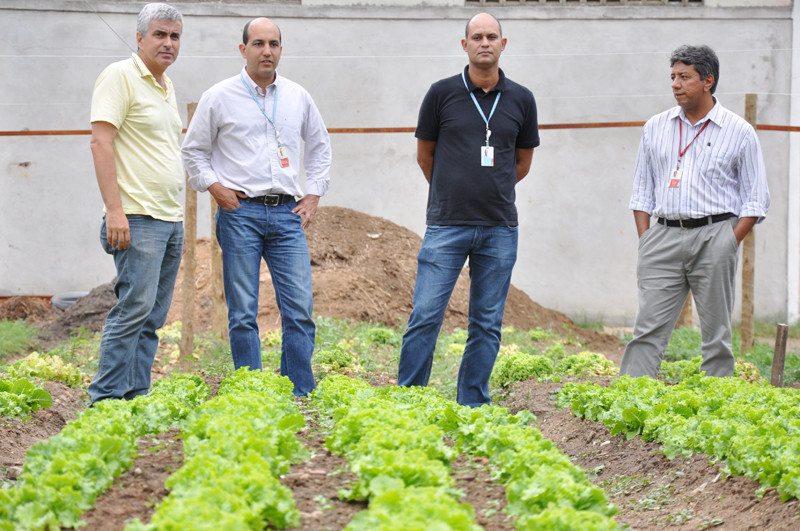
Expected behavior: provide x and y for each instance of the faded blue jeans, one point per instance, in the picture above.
(146, 273)
(492, 252)
(246, 234)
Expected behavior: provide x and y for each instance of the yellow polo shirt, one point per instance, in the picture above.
(147, 146)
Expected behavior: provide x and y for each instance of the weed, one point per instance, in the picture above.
(81, 350)
(323, 503)
(679, 518)
(16, 337)
(624, 485)
(657, 497)
(494, 506)
(714, 522)
(594, 472)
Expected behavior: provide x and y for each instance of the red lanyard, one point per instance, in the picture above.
(681, 153)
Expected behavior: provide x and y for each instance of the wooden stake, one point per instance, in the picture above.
(685, 319)
(748, 257)
(189, 262)
(779, 358)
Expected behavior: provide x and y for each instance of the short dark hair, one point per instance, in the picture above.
(703, 58)
(246, 37)
(466, 28)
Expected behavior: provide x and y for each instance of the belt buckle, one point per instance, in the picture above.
(272, 200)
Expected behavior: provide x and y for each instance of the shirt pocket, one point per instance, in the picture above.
(717, 167)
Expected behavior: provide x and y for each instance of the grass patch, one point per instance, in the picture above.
(16, 337)
(685, 344)
(81, 350)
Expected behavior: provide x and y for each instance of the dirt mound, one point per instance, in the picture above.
(89, 312)
(34, 309)
(363, 269)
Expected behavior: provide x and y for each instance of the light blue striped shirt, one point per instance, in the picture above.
(723, 169)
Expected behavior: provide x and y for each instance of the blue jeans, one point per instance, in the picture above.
(492, 252)
(146, 273)
(246, 234)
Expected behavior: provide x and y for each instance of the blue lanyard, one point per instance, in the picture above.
(263, 110)
(477, 105)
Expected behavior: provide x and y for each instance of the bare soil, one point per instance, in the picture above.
(364, 269)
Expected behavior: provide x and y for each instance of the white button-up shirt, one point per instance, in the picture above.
(723, 169)
(231, 141)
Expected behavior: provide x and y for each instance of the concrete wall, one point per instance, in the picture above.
(369, 65)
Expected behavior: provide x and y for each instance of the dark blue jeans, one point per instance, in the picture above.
(492, 252)
(246, 234)
(146, 273)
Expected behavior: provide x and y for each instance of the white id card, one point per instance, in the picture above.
(283, 156)
(487, 156)
(675, 178)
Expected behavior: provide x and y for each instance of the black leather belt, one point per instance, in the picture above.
(271, 199)
(695, 222)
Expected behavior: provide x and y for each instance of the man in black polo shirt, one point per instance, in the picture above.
(475, 137)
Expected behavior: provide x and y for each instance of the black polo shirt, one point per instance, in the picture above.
(462, 192)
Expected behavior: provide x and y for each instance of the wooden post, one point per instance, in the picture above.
(748, 257)
(779, 358)
(219, 309)
(685, 318)
(189, 262)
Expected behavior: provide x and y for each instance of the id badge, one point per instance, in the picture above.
(283, 156)
(487, 156)
(675, 178)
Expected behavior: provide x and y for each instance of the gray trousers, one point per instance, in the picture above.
(673, 260)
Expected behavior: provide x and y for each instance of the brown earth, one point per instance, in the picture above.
(364, 270)
(35, 310)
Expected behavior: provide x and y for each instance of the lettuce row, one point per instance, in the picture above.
(544, 489)
(63, 476)
(414, 508)
(19, 397)
(676, 371)
(235, 447)
(44, 367)
(514, 365)
(400, 458)
(755, 429)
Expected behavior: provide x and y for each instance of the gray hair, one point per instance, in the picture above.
(156, 11)
(703, 58)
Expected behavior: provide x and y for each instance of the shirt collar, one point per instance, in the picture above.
(713, 114)
(141, 67)
(145, 72)
(501, 83)
(252, 84)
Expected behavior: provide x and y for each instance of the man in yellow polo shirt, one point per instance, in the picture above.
(136, 132)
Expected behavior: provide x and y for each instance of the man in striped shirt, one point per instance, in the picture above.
(701, 173)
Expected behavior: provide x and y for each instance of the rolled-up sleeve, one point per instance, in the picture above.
(753, 180)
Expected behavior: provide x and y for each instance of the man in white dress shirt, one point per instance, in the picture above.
(701, 173)
(244, 146)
